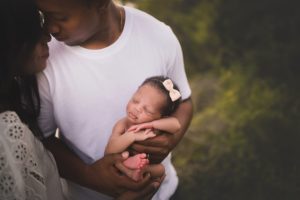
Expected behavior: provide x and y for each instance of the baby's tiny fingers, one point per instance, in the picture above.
(137, 129)
(147, 131)
(131, 128)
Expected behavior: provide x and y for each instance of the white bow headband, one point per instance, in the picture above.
(173, 93)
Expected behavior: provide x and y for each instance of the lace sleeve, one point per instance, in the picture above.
(20, 175)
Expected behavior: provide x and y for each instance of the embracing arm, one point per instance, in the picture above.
(168, 124)
(102, 175)
(64, 157)
(184, 115)
(120, 140)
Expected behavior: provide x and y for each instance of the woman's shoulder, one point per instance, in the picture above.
(9, 117)
(25, 161)
(11, 127)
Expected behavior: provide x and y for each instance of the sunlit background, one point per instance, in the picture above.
(242, 60)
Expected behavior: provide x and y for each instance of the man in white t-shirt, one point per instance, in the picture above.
(100, 55)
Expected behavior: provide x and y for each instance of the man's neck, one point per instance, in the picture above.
(110, 31)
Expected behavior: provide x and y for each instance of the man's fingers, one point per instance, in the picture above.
(147, 149)
(146, 180)
(149, 191)
(144, 194)
(122, 171)
(157, 154)
(117, 157)
(130, 184)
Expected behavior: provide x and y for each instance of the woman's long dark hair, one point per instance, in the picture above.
(20, 32)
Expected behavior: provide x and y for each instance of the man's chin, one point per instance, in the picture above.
(71, 43)
(67, 41)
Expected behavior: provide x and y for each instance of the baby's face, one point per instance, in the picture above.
(145, 105)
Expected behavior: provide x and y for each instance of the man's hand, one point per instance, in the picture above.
(107, 179)
(101, 176)
(157, 147)
(146, 193)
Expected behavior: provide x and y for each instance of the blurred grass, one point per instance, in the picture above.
(240, 144)
(242, 59)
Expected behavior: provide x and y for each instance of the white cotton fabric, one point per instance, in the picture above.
(84, 92)
(27, 170)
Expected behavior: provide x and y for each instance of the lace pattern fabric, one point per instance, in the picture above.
(20, 174)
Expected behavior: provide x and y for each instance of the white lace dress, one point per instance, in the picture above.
(27, 170)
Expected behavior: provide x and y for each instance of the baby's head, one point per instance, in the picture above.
(157, 97)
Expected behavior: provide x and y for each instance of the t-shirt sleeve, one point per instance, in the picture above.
(46, 118)
(175, 67)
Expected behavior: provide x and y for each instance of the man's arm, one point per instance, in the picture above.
(160, 146)
(101, 176)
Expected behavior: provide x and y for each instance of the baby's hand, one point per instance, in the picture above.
(138, 127)
(143, 135)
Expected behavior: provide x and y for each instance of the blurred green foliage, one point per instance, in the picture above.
(242, 61)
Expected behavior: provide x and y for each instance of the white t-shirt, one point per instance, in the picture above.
(27, 170)
(84, 92)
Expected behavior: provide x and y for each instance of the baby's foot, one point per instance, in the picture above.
(136, 162)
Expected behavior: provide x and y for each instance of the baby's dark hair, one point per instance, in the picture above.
(157, 82)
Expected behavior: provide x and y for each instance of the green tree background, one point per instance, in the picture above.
(242, 60)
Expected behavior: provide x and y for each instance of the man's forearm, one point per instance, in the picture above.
(184, 114)
(168, 124)
(101, 176)
(69, 165)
